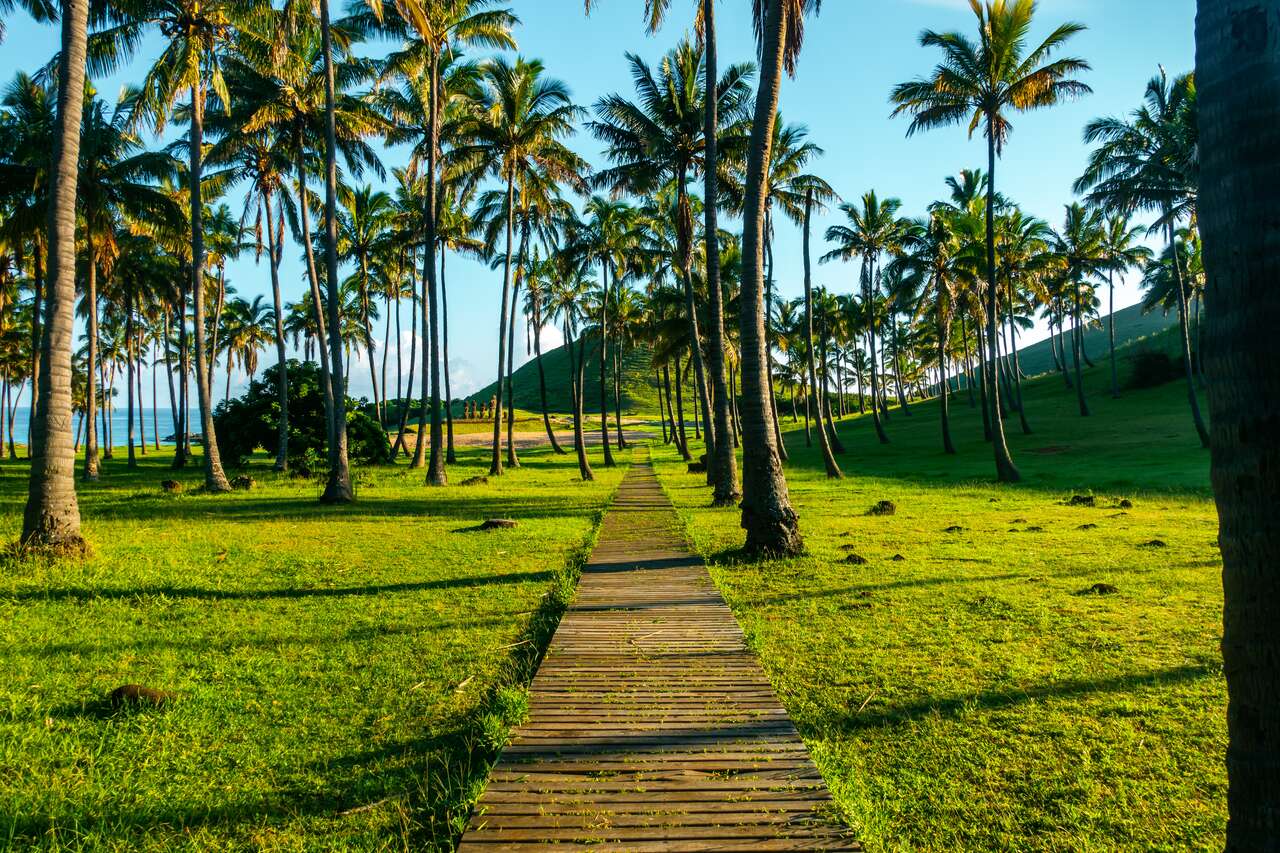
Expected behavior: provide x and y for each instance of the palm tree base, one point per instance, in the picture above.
(337, 493)
(775, 536)
(731, 499)
(52, 545)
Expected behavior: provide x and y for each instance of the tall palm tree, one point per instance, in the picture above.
(1079, 246)
(982, 83)
(1149, 162)
(660, 138)
(515, 132)
(1238, 71)
(828, 459)
(51, 520)
(767, 516)
(442, 29)
(1120, 252)
(363, 223)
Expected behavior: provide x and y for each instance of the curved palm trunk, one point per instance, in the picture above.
(1186, 339)
(339, 488)
(513, 461)
(424, 353)
(828, 459)
(51, 519)
(768, 332)
(542, 376)
(495, 462)
(604, 345)
(275, 251)
(682, 436)
(576, 366)
(1016, 369)
(771, 524)
(685, 224)
(413, 360)
(722, 467)
(1238, 74)
(450, 456)
(1005, 470)
(876, 407)
(92, 380)
(824, 407)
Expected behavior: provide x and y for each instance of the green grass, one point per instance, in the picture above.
(343, 675)
(1132, 325)
(969, 696)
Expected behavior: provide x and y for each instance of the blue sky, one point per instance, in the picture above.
(854, 53)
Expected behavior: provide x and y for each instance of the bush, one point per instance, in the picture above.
(1152, 368)
(250, 421)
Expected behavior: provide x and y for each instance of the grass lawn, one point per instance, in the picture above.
(969, 695)
(342, 675)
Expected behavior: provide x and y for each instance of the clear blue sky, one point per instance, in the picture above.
(854, 53)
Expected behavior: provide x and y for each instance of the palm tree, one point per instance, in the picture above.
(931, 246)
(1239, 74)
(118, 181)
(363, 224)
(514, 133)
(833, 469)
(51, 520)
(771, 524)
(1079, 245)
(873, 229)
(1149, 162)
(659, 139)
(1120, 253)
(568, 291)
(443, 28)
(981, 83)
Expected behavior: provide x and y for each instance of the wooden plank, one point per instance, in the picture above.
(651, 726)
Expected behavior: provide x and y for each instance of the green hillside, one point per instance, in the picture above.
(1131, 325)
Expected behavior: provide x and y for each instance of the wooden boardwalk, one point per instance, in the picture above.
(651, 726)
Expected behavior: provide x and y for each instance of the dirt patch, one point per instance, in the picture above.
(883, 508)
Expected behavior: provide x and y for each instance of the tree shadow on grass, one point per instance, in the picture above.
(852, 721)
(204, 593)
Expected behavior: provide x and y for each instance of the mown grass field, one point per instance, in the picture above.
(342, 676)
(960, 690)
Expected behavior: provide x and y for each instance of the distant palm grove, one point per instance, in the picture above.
(114, 249)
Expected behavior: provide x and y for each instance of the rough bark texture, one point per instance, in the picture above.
(435, 465)
(1238, 74)
(1005, 470)
(771, 524)
(52, 516)
(828, 459)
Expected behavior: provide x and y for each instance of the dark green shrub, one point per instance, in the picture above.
(1152, 368)
(250, 421)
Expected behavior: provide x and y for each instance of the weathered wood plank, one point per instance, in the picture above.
(651, 725)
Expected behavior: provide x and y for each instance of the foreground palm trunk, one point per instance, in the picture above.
(435, 466)
(339, 488)
(214, 478)
(1238, 73)
(91, 385)
(495, 462)
(52, 517)
(771, 524)
(724, 464)
(275, 248)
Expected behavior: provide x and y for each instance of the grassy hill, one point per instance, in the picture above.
(1131, 325)
(639, 385)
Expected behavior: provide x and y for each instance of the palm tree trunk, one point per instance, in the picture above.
(770, 337)
(576, 371)
(142, 411)
(828, 458)
(317, 300)
(944, 335)
(495, 462)
(513, 460)
(383, 417)
(51, 515)
(869, 298)
(421, 435)
(155, 399)
(542, 376)
(128, 357)
(413, 358)
(338, 489)
(275, 237)
(604, 345)
(617, 392)
(1186, 337)
(722, 462)
(91, 385)
(1005, 470)
(450, 456)
(214, 479)
(771, 524)
(436, 475)
(683, 440)
(1080, 398)
(1238, 76)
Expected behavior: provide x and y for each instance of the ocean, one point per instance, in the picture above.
(119, 425)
